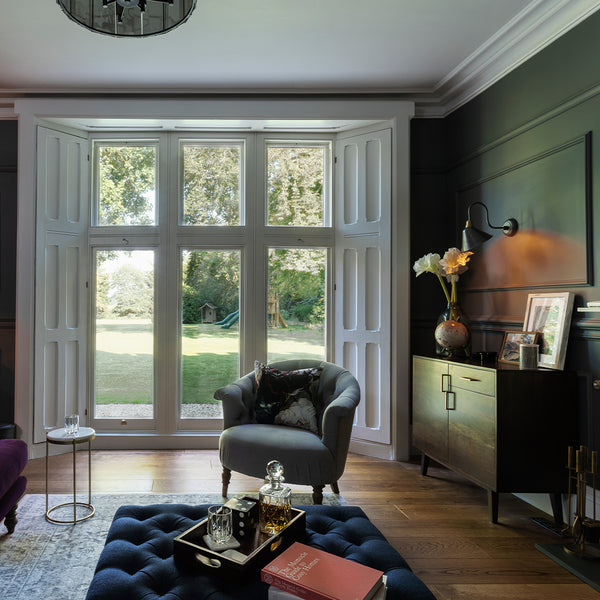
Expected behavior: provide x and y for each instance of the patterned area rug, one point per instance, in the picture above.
(42, 560)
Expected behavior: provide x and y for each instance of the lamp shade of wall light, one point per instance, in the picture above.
(128, 18)
(473, 237)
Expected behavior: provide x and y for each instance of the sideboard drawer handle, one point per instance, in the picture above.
(445, 382)
(469, 379)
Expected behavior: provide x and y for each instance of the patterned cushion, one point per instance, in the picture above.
(287, 392)
(137, 561)
(298, 410)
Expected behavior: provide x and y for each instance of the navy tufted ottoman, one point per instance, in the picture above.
(137, 561)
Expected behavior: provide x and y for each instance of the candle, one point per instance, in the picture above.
(579, 461)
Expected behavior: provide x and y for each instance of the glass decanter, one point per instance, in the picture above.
(275, 506)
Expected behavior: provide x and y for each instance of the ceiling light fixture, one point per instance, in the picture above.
(128, 18)
(473, 237)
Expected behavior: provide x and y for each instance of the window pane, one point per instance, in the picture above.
(124, 373)
(126, 185)
(210, 342)
(211, 184)
(296, 303)
(296, 185)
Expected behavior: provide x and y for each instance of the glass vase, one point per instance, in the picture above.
(458, 343)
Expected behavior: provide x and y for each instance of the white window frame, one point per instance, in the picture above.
(75, 115)
(170, 236)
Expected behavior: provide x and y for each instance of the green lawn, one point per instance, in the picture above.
(124, 358)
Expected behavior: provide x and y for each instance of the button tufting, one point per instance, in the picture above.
(137, 561)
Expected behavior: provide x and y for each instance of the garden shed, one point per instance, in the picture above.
(209, 313)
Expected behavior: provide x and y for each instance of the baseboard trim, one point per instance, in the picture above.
(132, 441)
(384, 451)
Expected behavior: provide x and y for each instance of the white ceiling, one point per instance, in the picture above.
(438, 52)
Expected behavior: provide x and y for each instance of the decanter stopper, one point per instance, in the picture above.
(275, 473)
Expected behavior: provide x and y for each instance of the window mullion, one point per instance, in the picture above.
(254, 263)
(166, 304)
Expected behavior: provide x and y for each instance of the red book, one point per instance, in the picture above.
(317, 575)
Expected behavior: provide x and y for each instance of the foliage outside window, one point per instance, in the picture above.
(211, 184)
(297, 277)
(296, 185)
(124, 329)
(126, 185)
(210, 192)
(210, 277)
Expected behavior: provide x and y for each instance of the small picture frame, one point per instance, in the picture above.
(509, 353)
(550, 315)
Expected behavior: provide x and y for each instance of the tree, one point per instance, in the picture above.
(131, 292)
(102, 290)
(127, 177)
(210, 276)
(295, 195)
(297, 275)
(295, 185)
(211, 184)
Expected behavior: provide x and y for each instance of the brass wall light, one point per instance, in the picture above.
(473, 237)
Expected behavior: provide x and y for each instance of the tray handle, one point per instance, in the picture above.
(213, 563)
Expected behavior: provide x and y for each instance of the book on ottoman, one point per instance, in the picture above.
(276, 593)
(314, 574)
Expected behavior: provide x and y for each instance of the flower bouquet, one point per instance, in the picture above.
(452, 333)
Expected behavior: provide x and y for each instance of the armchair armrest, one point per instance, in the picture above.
(238, 401)
(337, 422)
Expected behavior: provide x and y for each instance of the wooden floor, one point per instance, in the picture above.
(438, 523)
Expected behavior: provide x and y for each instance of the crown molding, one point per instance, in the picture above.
(539, 24)
(534, 28)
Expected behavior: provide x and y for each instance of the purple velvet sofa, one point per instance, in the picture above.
(13, 458)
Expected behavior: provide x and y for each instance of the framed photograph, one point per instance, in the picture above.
(550, 316)
(509, 353)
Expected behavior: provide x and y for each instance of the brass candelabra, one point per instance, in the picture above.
(585, 530)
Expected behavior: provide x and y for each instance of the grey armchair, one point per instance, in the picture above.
(308, 458)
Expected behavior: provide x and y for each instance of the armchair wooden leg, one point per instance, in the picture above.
(10, 520)
(318, 494)
(225, 478)
(335, 488)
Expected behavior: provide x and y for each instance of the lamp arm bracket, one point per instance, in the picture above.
(509, 227)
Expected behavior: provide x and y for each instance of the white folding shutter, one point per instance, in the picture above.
(362, 280)
(60, 302)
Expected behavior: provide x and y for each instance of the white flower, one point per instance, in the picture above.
(430, 263)
(454, 263)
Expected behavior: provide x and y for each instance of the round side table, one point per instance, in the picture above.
(61, 437)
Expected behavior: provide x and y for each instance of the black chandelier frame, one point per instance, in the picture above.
(128, 18)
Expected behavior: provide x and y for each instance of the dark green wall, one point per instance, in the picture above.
(527, 147)
(8, 242)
